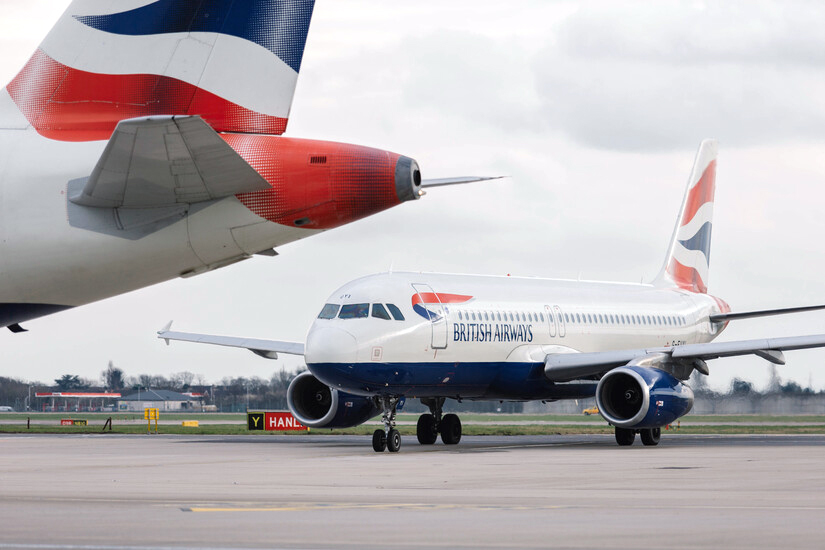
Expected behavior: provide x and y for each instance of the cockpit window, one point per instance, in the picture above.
(379, 311)
(329, 311)
(354, 311)
(396, 313)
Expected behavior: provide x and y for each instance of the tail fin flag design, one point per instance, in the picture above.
(233, 63)
(688, 260)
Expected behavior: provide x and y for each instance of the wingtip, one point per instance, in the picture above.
(164, 330)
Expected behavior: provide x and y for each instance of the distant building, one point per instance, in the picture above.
(164, 400)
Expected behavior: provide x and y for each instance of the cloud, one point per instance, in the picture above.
(659, 76)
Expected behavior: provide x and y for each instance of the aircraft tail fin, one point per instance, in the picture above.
(235, 64)
(688, 258)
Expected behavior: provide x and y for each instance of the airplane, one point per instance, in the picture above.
(142, 142)
(392, 336)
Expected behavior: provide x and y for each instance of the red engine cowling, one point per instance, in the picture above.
(322, 184)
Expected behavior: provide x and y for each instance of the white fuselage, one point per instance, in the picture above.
(489, 329)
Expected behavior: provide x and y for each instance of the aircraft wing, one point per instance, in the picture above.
(268, 349)
(570, 366)
(165, 161)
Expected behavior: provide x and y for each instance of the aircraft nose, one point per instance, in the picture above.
(330, 345)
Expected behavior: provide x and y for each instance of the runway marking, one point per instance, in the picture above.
(333, 507)
(110, 547)
(356, 506)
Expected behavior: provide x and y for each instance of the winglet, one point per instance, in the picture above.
(164, 330)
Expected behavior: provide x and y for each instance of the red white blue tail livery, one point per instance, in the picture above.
(688, 261)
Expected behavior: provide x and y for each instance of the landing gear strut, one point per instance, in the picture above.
(388, 438)
(432, 424)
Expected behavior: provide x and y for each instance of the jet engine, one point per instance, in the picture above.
(641, 397)
(316, 405)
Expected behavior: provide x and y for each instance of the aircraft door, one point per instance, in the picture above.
(560, 318)
(433, 309)
(551, 320)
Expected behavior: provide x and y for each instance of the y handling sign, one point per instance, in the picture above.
(273, 422)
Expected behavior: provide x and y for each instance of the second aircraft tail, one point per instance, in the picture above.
(688, 258)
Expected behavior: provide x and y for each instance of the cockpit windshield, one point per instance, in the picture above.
(396, 313)
(380, 312)
(386, 312)
(354, 311)
(329, 311)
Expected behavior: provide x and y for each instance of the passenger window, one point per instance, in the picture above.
(511, 316)
(498, 315)
(600, 319)
(473, 313)
(380, 312)
(396, 313)
(460, 318)
(354, 311)
(566, 318)
(486, 317)
(329, 311)
(541, 316)
(550, 317)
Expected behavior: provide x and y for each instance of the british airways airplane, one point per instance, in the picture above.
(435, 337)
(142, 142)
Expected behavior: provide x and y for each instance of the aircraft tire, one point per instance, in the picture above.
(426, 429)
(393, 441)
(379, 441)
(625, 437)
(651, 437)
(450, 429)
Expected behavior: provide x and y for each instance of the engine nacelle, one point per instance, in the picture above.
(642, 397)
(316, 405)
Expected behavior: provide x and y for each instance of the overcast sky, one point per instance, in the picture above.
(595, 109)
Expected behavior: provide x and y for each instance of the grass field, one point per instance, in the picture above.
(474, 424)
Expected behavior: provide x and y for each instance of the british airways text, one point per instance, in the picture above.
(488, 332)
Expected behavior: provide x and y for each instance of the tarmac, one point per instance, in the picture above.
(168, 491)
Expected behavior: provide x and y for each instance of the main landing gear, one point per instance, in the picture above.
(388, 438)
(432, 424)
(626, 436)
(429, 426)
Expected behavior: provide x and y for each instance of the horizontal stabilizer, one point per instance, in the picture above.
(265, 348)
(723, 317)
(440, 182)
(165, 161)
(571, 366)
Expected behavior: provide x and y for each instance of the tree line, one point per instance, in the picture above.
(236, 394)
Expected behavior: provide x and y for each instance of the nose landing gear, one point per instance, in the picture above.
(389, 438)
